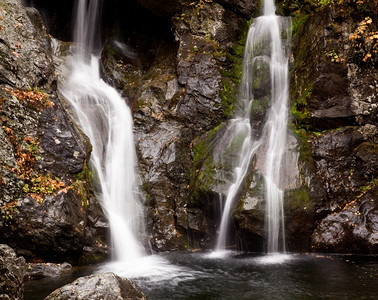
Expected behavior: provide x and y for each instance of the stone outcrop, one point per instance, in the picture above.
(335, 108)
(179, 67)
(12, 274)
(331, 157)
(47, 207)
(99, 286)
(25, 61)
(176, 95)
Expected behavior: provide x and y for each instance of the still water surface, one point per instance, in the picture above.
(179, 275)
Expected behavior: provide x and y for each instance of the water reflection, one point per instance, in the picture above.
(181, 275)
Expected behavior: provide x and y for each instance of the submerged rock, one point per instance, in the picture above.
(42, 270)
(11, 274)
(99, 286)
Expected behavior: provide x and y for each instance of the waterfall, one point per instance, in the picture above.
(265, 65)
(106, 119)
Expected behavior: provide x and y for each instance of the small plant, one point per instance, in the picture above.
(37, 185)
(333, 56)
(33, 97)
(365, 39)
(7, 210)
(199, 5)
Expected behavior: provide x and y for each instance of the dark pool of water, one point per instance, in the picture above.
(246, 276)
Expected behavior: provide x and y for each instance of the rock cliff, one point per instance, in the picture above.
(178, 65)
(46, 206)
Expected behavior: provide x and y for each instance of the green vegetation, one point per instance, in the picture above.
(300, 198)
(364, 37)
(368, 187)
(83, 183)
(7, 210)
(232, 73)
(305, 152)
(333, 56)
(299, 109)
(259, 106)
(202, 175)
(297, 23)
(35, 98)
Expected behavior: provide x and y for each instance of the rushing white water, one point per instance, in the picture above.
(264, 47)
(238, 126)
(106, 120)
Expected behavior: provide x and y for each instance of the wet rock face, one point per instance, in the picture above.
(341, 102)
(175, 95)
(244, 7)
(352, 229)
(99, 286)
(330, 105)
(25, 62)
(46, 207)
(202, 33)
(51, 229)
(12, 274)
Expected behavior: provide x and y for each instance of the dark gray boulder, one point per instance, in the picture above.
(12, 270)
(353, 229)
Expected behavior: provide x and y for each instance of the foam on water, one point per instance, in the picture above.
(273, 258)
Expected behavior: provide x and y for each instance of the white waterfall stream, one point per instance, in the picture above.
(106, 119)
(264, 47)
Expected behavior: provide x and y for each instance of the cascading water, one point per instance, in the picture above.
(264, 56)
(106, 120)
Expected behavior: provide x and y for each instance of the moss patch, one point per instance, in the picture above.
(83, 184)
(203, 172)
(299, 199)
(232, 73)
(299, 109)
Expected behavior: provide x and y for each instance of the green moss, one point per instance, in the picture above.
(236, 144)
(368, 148)
(228, 95)
(83, 184)
(232, 73)
(202, 174)
(297, 23)
(299, 110)
(369, 186)
(305, 152)
(259, 106)
(299, 199)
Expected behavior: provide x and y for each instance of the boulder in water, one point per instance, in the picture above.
(41, 270)
(99, 286)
